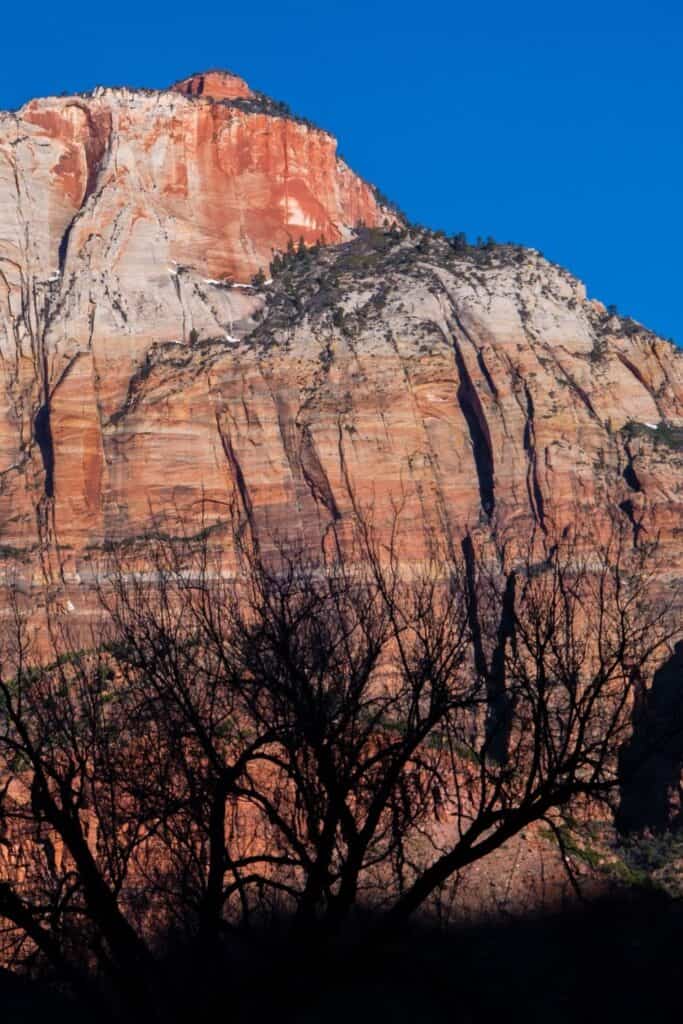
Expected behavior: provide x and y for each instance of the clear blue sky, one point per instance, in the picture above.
(558, 125)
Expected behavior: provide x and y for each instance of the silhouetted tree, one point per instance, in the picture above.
(304, 737)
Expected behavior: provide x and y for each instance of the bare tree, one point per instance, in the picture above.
(65, 759)
(307, 736)
(388, 714)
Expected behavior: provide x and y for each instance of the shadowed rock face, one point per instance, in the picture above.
(141, 374)
(651, 792)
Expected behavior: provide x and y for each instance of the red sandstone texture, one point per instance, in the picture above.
(132, 386)
(215, 85)
(142, 378)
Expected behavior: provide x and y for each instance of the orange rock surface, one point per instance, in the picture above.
(142, 376)
(215, 85)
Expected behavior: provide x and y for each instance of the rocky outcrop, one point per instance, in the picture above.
(482, 389)
(215, 85)
(143, 375)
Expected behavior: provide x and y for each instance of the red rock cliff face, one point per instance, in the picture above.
(142, 375)
(191, 177)
(216, 85)
(124, 217)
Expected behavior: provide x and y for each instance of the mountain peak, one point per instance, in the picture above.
(215, 85)
(144, 365)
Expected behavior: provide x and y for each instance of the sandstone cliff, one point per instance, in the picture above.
(143, 375)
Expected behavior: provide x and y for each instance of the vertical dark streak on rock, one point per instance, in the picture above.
(480, 355)
(302, 457)
(632, 368)
(314, 474)
(576, 388)
(499, 710)
(628, 509)
(44, 439)
(473, 606)
(239, 481)
(583, 396)
(43, 434)
(176, 285)
(629, 474)
(485, 370)
(95, 149)
(482, 448)
(64, 246)
(533, 486)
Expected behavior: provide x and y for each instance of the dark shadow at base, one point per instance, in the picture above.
(611, 960)
(32, 1002)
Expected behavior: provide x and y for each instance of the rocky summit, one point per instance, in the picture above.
(203, 309)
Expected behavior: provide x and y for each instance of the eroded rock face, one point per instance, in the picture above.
(125, 220)
(482, 394)
(143, 376)
(215, 85)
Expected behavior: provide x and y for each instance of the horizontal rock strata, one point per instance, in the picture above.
(143, 376)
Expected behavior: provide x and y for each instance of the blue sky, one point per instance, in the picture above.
(556, 125)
